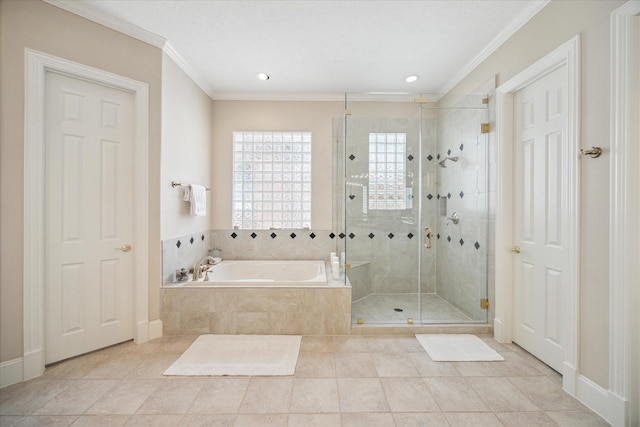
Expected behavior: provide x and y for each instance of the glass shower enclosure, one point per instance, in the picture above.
(413, 179)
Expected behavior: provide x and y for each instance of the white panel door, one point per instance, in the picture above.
(89, 216)
(540, 218)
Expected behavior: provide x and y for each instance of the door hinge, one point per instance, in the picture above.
(485, 128)
(484, 303)
(347, 112)
(421, 100)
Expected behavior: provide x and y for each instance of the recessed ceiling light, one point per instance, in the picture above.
(263, 76)
(411, 79)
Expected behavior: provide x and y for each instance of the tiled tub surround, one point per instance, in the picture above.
(276, 244)
(257, 310)
(324, 310)
(184, 251)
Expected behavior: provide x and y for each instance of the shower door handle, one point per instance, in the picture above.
(428, 236)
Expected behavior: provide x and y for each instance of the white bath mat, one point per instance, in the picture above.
(239, 355)
(457, 348)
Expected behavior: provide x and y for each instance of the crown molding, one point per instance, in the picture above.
(524, 17)
(87, 11)
(184, 66)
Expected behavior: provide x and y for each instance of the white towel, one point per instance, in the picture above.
(198, 199)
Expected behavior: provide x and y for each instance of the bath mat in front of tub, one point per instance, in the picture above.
(239, 355)
(457, 348)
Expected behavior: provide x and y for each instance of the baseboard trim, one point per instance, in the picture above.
(569, 379)
(618, 409)
(11, 372)
(155, 329)
(596, 398)
(498, 330)
(142, 332)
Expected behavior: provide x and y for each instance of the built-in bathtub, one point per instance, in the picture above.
(263, 273)
(259, 297)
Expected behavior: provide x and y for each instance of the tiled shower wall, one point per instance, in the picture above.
(459, 266)
(385, 240)
(184, 251)
(466, 187)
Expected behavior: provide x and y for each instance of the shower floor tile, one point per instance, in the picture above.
(397, 308)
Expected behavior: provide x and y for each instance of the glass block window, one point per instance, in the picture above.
(271, 180)
(387, 178)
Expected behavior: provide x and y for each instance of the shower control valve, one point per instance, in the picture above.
(454, 218)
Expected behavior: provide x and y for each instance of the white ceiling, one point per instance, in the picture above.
(317, 49)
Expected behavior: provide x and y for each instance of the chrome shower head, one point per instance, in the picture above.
(442, 162)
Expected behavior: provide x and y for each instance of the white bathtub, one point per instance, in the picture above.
(264, 274)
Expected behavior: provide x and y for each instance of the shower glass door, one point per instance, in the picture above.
(415, 207)
(456, 198)
(382, 207)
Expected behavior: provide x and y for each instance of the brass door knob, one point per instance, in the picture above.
(124, 248)
(515, 249)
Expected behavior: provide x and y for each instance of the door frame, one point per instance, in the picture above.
(37, 64)
(624, 244)
(565, 55)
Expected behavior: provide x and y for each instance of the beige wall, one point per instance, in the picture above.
(555, 24)
(37, 25)
(186, 149)
(316, 117)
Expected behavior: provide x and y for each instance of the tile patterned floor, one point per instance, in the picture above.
(339, 381)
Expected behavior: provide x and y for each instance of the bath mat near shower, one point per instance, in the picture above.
(457, 348)
(258, 355)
